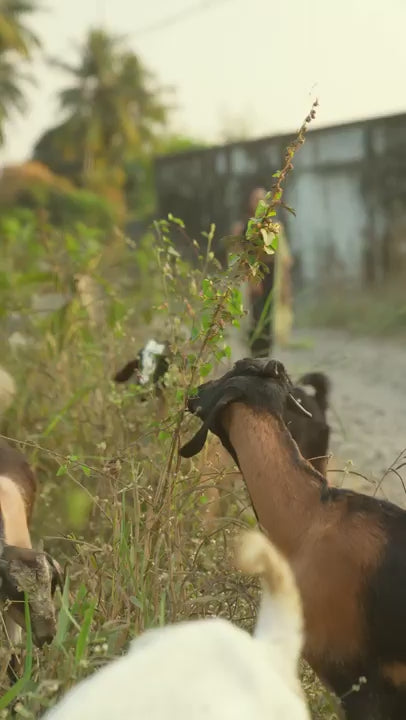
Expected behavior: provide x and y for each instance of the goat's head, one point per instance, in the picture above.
(260, 383)
(150, 365)
(23, 570)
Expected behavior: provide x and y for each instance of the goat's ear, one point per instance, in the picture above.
(125, 373)
(57, 574)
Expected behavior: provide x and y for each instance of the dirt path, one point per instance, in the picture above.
(368, 402)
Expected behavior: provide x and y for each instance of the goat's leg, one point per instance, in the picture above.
(394, 701)
(377, 700)
(364, 702)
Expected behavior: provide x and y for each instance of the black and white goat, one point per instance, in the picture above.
(310, 430)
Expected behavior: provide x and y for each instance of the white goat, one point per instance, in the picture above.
(208, 669)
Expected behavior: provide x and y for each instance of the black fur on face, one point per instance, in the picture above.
(158, 363)
(259, 383)
(127, 371)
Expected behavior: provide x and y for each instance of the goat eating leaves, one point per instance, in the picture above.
(22, 569)
(347, 549)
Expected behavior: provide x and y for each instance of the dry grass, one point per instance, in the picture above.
(116, 503)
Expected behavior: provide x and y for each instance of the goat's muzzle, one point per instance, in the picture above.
(259, 383)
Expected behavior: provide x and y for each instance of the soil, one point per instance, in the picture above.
(367, 406)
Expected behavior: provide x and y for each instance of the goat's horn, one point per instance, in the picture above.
(299, 405)
(58, 575)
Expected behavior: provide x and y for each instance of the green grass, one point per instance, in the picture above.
(115, 503)
(375, 312)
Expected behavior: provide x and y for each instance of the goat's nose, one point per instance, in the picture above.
(193, 403)
(44, 639)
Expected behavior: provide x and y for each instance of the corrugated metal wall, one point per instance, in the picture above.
(348, 189)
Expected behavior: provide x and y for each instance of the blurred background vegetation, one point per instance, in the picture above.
(78, 298)
(96, 162)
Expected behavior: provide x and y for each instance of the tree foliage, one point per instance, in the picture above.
(111, 110)
(17, 41)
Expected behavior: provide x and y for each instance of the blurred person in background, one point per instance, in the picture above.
(269, 300)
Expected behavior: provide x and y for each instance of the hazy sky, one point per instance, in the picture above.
(252, 63)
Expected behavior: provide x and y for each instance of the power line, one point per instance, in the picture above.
(179, 16)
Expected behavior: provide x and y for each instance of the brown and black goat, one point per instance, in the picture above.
(23, 569)
(310, 430)
(347, 549)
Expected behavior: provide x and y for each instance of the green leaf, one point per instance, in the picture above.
(261, 209)
(83, 639)
(176, 220)
(64, 617)
(21, 683)
(172, 251)
(82, 392)
(138, 604)
(205, 369)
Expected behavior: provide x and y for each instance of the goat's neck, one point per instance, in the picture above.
(284, 488)
(13, 514)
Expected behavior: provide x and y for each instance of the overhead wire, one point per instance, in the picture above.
(177, 17)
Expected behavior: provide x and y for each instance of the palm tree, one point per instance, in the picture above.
(11, 96)
(111, 104)
(14, 33)
(16, 43)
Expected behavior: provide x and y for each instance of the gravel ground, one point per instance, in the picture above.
(368, 405)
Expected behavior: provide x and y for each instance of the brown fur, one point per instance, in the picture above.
(395, 673)
(23, 569)
(320, 464)
(285, 491)
(14, 465)
(216, 468)
(13, 514)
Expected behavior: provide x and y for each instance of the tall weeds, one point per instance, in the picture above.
(116, 504)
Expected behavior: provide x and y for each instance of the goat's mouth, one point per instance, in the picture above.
(42, 640)
(194, 403)
(42, 635)
(261, 384)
